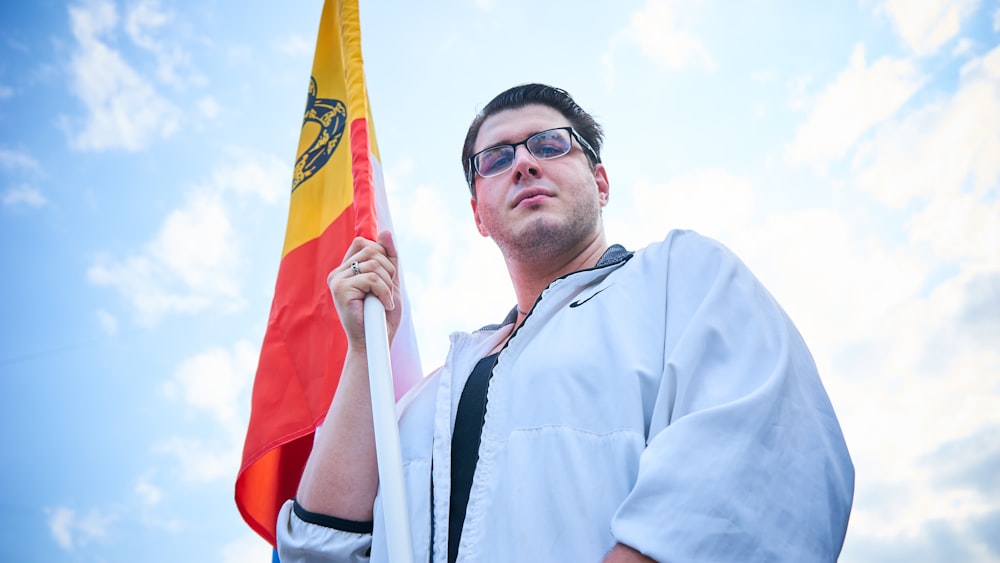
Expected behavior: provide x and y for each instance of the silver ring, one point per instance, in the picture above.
(355, 268)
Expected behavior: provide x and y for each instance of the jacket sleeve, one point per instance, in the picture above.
(745, 459)
(302, 541)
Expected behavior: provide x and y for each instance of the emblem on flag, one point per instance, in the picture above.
(330, 115)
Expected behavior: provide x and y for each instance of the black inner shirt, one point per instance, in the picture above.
(465, 447)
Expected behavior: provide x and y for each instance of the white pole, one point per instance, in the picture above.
(387, 448)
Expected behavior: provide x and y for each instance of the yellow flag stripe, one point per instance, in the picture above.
(338, 69)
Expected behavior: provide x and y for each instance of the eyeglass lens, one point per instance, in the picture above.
(544, 145)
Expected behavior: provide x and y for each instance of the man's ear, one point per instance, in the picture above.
(475, 215)
(603, 186)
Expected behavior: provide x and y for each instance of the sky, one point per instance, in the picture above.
(848, 151)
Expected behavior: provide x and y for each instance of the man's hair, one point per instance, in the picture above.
(534, 94)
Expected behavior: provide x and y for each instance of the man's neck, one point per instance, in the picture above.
(531, 277)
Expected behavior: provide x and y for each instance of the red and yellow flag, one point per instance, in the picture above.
(336, 189)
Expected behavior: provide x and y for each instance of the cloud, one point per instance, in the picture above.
(24, 196)
(960, 227)
(124, 111)
(17, 160)
(969, 463)
(249, 173)
(807, 253)
(943, 149)
(109, 323)
(144, 24)
(924, 381)
(192, 264)
(661, 38)
(713, 202)
(148, 493)
(202, 460)
(935, 541)
(71, 530)
(215, 383)
(988, 530)
(208, 107)
(926, 26)
(188, 267)
(858, 99)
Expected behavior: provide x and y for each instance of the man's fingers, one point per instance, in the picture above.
(374, 276)
(389, 244)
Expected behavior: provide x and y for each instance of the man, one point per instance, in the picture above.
(656, 405)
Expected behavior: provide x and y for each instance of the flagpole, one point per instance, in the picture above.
(399, 540)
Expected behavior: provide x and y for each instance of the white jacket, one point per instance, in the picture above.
(664, 401)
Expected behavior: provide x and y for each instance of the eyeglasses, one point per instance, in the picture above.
(544, 145)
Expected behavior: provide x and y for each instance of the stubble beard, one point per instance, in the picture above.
(545, 238)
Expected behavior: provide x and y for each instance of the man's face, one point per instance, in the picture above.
(537, 208)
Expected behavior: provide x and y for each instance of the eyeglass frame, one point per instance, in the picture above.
(592, 155)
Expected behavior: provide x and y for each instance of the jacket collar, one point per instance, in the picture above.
(615, 254)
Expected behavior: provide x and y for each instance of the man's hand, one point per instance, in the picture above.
(625, 554)
(368, 267)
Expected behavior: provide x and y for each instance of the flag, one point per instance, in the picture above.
(337, 194)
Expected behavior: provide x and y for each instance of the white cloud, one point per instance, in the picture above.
(195, 244)
(24, 195)
(208, 107)
(215, 383)
(904, 336)
(71, 530)
(5, 92)
(962, 47)
(961, 227)
(858, 99)
(655, 29)
(927, 25)
(109, 323)
(945, 148)
(143, 19)
(144, 22)
(933, 385)
(60, 524)
(17, 160)
(202, 461)
(148, 493)
(192, 263)
(249, 173)
(188, 267)
(123, 109)
(712, 202)
(798, 97)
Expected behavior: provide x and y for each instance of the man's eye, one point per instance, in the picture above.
(549, 144)
(549, 148)
(494, 160)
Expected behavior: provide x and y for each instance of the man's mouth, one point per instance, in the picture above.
(531, 196)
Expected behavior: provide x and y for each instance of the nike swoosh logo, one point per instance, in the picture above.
(579, 302)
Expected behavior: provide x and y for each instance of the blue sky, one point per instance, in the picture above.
(848, 151)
